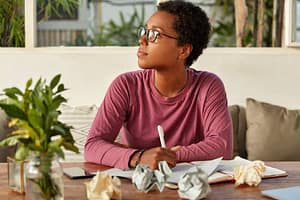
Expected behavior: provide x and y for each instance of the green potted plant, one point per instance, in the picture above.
(37, 131)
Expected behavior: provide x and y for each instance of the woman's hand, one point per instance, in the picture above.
(151, 157)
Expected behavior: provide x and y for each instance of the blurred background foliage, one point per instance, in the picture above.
(50, 8)
(223, 22)
(113, 34)
(12, 23)
(12, 33)
(123, 34)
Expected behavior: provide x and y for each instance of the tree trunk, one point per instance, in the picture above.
(278, 9)
(260, 19)
(255, 8)
(241, 14)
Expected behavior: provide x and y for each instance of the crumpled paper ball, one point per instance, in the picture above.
(249, 174)
(104, 187)
(144, 179)
(194, 185)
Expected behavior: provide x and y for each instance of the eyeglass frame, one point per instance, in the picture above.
(155, 32)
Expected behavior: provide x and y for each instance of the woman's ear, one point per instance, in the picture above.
(185, 51)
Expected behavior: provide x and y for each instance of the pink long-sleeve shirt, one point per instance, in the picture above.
(197, 119)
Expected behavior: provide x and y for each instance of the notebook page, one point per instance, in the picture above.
(227, 166)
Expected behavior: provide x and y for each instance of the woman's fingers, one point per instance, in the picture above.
(153, 156)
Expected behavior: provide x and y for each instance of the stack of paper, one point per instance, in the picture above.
(218, 170)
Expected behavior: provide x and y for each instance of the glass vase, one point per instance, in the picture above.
(44, 177)
(16, 180)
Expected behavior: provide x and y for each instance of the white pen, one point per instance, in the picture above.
(161, 136)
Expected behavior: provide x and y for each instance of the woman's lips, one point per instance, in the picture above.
(141, 53)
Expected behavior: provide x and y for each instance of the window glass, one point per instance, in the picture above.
(99, 22)
(95, 23)
(114, 23)
(12, 23)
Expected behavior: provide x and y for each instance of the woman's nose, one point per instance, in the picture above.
(143, 40)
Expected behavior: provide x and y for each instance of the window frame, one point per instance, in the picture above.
(290, 24)
(30, 24)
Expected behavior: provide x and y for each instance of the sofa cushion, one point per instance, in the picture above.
(239, 130)
(4, 131)
(273, 132)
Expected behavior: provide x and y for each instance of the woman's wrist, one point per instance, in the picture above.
(140, 153)
(136, 158)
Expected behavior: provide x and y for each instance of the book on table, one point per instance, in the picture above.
(218, 170)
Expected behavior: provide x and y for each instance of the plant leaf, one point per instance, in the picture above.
(71, 147)
(55, 81)
(13, 92)
(11, 140)
(60, 88)
(21, 153)
(28, 84)
(36, 121)
(13, 111)
(54, 146)
(57, 101)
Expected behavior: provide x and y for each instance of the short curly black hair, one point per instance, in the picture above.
(192, 26)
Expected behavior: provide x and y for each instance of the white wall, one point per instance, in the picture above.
(267, 74)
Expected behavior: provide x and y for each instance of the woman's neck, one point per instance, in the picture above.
(170, 83)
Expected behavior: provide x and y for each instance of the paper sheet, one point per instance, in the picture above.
(227, 166)
(180, 169)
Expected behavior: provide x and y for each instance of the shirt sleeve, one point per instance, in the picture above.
(217, 127)
(100, 147)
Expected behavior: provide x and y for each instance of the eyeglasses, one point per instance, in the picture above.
(151, 35)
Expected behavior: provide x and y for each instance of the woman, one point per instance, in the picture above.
(189, 105)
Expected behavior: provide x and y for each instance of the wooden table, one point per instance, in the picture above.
(75, 189)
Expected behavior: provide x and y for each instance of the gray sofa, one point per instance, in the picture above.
(263, 131)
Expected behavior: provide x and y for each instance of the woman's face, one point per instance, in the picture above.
(163, 52)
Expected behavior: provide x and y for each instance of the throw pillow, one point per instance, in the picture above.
(273, 132)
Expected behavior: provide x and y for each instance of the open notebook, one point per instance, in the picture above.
(218, 170)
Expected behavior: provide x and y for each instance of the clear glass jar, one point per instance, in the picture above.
(44, 177)
(16, 180)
